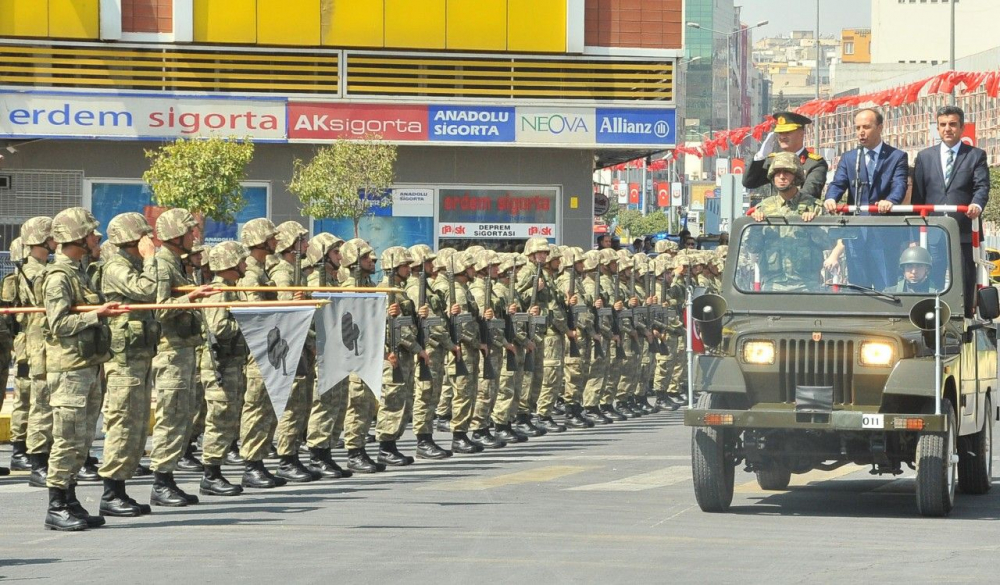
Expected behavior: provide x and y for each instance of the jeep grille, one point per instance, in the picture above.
(805, 362)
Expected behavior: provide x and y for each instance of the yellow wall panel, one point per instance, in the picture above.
(410, 24)
(477, 25)
(74, 19)
(288, 22)
(536, 26)
(225, 21)
(24, 18)
(353, 23)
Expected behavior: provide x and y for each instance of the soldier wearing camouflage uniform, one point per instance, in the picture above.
(664, 362)
(629, 360)
(12, 345)
(358, 263)
(537, 251)
(464, 387)
(437, 343)
(442, 411)
(596, 264)
(572, 284)
(291, 241)
(128, 277)
(175, 372)
(644, 326)
(329, 405)
(611, 282)
(509, 386)
(36, 237)
(193, 263)
(257, 421)
(223, 370)
(491, 309)
(76, 344)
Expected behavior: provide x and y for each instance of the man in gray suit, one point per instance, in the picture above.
(954, 173)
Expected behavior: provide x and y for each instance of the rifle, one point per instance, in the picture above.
(395, 335)
(572, 315)
(638, 319)
(661, 318)
(455, 322)
(601, 316)
(424, 331)
(485, 327)
(533, 320)
(511, 323)
(616, 325)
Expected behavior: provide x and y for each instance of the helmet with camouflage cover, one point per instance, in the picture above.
(174, 223)
(571, 255)
(257, 232)
(73, 224)
(287, 233)
(354, 250)
(395, 256)
(787, 161)
(226, 255)
(536, 244)
(461, 261)
(486, 258)
(441, 260)
(625, 257)
(608, 256)
(506, 262)
(915, 255)
(555, 252)
(17, 250)
(421, 253)
(128, 227)
(664, 246)
(591, 260)
(36, 231)
(319, 245)
(474, 249)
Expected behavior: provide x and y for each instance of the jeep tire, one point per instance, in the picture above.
(937, 459)
(773, 476)
(712, 465)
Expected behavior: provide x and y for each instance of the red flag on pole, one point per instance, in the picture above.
(663, 194)
(633, 193)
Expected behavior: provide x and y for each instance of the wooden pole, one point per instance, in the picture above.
(177, 306)
(305, 289)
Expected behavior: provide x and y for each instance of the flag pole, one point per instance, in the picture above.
(177, 306)
(305, 289)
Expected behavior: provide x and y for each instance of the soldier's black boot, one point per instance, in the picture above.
(188, 461)
(359, 462)
(58, 516)
(442, 424)
(322, 463)
(272, 452)
(460, 443)
(609, 411)
(19, 457)
(165, 492)
(509, 435)
(594, 415)
(213, 483)
(525, 426)
(76, 508)
(487, 439)
(291, 469)
(428, 449)
(89, 470)
(575, 419)
(39, 470)
(142, 471)
(4, 471)
(114, 502)
(550, 425)
(389, 454)
(233, 455)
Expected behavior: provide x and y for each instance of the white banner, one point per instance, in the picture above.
(676, 195)
(275, 337)
(496, 231)
(407, 202)
(110, 116)
(350, 339)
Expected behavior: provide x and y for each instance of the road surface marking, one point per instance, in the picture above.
(644, 481)
(537, 475)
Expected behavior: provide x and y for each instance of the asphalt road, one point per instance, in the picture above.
(608, 505)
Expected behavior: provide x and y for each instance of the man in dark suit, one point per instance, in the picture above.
(953, 173)
(788, 136)
(879, 172)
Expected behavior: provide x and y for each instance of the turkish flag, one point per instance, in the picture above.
(662, 194)
(969, 133)
(633, 193)
(738, 166)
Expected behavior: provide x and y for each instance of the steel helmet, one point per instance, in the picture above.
(354, 250)
(441, 262)
(486, 258)
(288, 232)
(36, 231)
(534, 245)
(73, 224)
(319, 245)
(395, 256)
(787, 161)
(608, 256)
(174, 223)
(256, 232)
(572, 255)
(506, 262)
(128, 227)
(462, 261)
(474, 249)
(915, 255)
(591, 260)
(421, 253)
(555, 252)
(17, 250)
(226, 255)
(625, 257)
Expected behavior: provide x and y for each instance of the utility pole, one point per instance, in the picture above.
(817, 73)
(952, 56)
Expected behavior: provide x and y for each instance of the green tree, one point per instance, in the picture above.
(347, 179)
(781, 103)
(204, 176)
(992, 211)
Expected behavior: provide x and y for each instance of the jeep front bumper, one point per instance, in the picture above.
(842, 420)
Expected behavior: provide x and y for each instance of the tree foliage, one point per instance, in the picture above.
(204, 176)
(347, 179)
(639, 225)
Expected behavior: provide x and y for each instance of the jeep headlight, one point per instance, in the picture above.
(876, 353)
(759, 353)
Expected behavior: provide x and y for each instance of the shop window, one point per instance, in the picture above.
(147, 16)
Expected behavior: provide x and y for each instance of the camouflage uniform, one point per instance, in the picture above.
(494, 336)
(602, 325)
(577, 368)
(509, 387)
(12, 344)
(464, 387)
(790, 257)
(629, 361)
(610, 283)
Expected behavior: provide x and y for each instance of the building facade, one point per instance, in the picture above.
(500, 108)
(919, 31)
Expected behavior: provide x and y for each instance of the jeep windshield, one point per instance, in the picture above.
(807, 258)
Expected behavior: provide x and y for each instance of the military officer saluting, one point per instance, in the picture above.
(788, 136)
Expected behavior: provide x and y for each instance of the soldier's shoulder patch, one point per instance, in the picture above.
(815, 156)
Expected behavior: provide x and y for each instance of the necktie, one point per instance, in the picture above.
(949, 166)
(871, 166)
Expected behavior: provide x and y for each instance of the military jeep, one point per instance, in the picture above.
(822, 351)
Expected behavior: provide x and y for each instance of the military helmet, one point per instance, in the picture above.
(73, 224)
(507, 262)
(608, 256)
(174, 223)
(421, 253)
(474, 249)
(354, 250)
(462, 261)
(591, 260)
(485, 259)
(787, 161)
(534, 245)
(287, 233)
(555, 252)
(108, 248)
(36, 230)
(226, 255)
(441, 260)
(319, 245)
(395, 256)
(256, 232)
(17, 250)
(128, 227)
(625, 257)
(915, 255)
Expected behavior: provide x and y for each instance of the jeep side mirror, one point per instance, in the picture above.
(989, 303)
